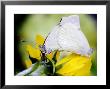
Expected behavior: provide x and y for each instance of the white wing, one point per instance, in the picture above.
(68, 36)
(71, 37)
(74, 19)
(51, 43)
(73, 40)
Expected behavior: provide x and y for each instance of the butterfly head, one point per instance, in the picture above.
(43, 49)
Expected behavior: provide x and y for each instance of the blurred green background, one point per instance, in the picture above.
(28, 26)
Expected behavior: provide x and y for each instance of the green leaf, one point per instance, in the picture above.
(39, 71)
(50, 68)
(58, 67)
(35, 66)
(54, 58)
(25, 72)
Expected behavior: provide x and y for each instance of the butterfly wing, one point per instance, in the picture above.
(51, 42)
(71, 37)
(74, 19)
(67, 36)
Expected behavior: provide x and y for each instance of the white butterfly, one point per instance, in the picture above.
(68, 36)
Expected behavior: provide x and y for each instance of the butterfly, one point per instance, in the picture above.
(67, 36)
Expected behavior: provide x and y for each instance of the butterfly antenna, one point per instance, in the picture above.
(60, 19)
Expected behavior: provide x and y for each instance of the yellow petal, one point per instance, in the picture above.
(57, 55)
(27, 63)
(34, 53)
(39, 40)
(65, 59)
(76, 65)
(50, 55)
